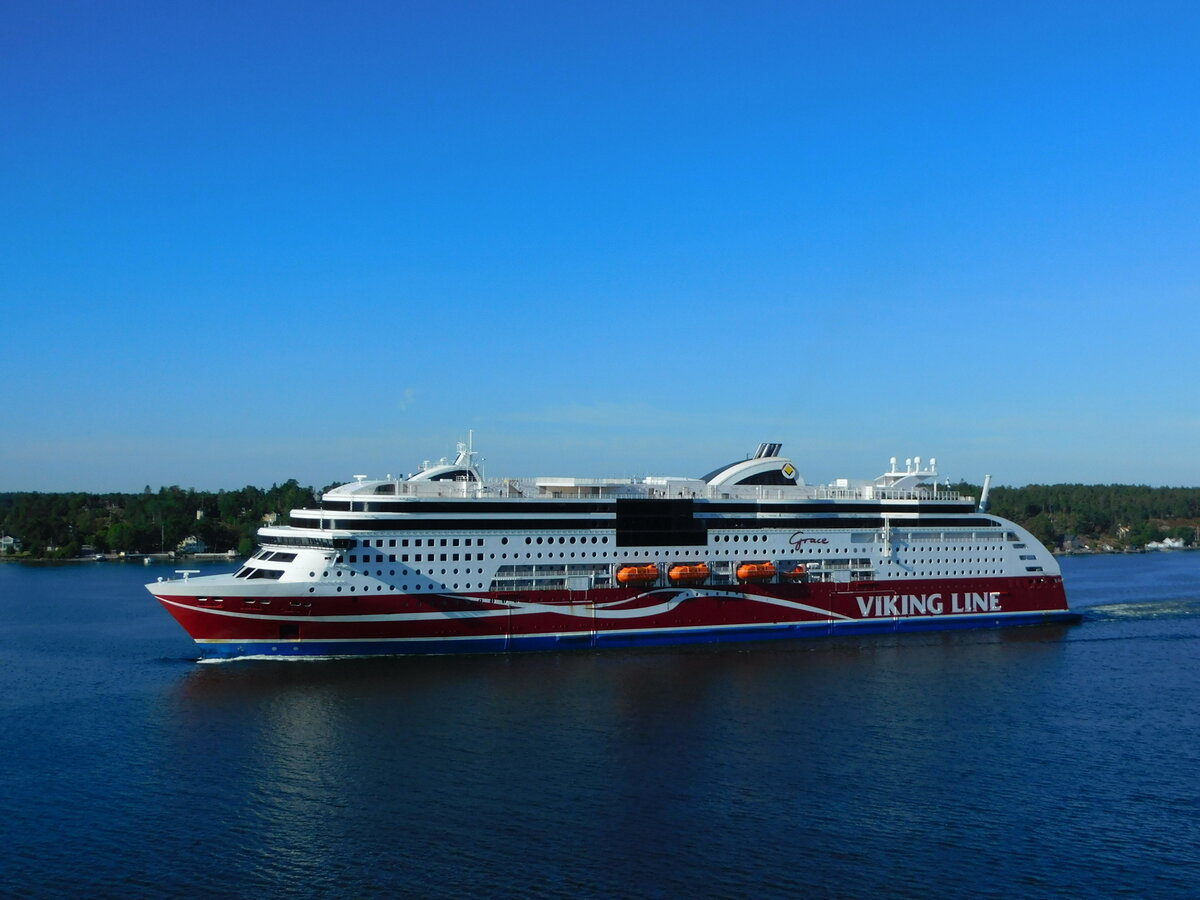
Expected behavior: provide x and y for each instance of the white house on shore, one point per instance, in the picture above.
(1169, 543)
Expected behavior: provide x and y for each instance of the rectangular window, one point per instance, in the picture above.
(392, 542)
(378, 557)
(443, 557)
(391, 557)
(404, 542)
(443, 542)
(353, 559)
(379, 543)
(454, 558)
(456, 542)
(403, 557)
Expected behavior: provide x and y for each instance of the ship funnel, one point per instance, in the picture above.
(983, 497)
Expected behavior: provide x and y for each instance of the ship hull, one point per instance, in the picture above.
(305, 625)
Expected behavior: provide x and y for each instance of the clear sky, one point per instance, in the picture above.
(244, 242)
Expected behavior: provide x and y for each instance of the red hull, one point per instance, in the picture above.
(311, 624)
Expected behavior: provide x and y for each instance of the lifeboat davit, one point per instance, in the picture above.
(763, 571)
(688, 574)
(797, 574)
(646, 574)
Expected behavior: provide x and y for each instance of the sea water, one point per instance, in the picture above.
(1047, 761)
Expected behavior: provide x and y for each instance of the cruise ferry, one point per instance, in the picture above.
(446, 561)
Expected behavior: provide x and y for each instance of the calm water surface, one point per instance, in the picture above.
(1029, 762)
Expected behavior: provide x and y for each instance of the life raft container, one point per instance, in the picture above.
(646, 574)
(799, 573)
(763, 571)
(688, 574)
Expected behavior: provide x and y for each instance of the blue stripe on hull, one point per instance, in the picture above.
(648, 638)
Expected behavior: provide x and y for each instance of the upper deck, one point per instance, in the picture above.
(764, 477)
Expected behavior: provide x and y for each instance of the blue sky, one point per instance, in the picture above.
(244, 242)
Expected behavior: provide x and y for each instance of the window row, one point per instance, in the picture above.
(422, 542)
(417, 557)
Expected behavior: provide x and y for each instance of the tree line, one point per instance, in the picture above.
(1119, 515)
(61, 525)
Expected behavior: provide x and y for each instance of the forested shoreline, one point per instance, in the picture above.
(68, 525)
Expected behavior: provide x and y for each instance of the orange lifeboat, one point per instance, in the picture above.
(799, 573)
(688, 574)
(764, 571)
(646, 574)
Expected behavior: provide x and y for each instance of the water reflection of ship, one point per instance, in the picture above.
(625, 744)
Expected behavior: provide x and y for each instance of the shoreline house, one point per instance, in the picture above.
(191, 544)
(1168, 543)
(9, 545)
